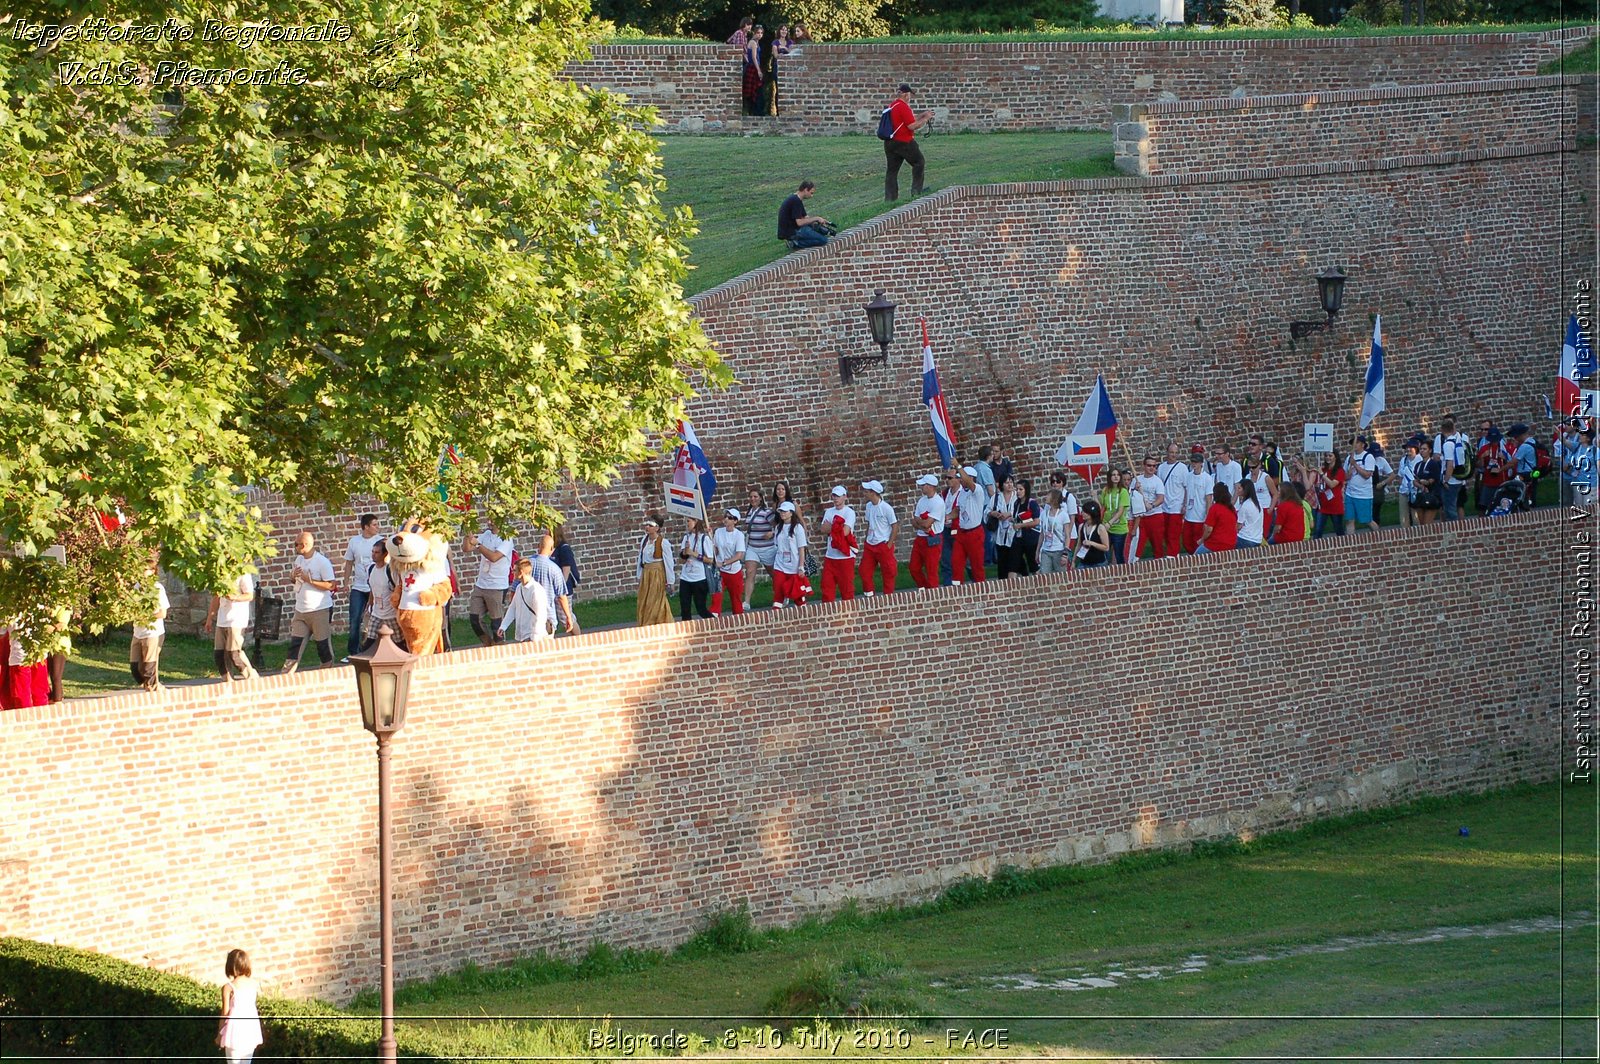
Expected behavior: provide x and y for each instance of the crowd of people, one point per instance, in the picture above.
(979, 515)
(760, 54)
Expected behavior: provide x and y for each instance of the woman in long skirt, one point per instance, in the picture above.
(653, 567)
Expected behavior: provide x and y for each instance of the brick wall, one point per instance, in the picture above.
(1042, 84)
(621, 786)
(1374, 124)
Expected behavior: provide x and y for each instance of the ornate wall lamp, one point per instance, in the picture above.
(880, 321)
(1330, 291)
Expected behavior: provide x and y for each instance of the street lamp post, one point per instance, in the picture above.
(383, 683)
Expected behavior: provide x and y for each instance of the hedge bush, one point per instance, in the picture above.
(54, 999)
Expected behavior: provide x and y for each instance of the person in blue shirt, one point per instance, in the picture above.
(1526, 459)
(1582, 464)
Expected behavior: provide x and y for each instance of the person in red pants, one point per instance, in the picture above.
(1197, 491)
(972, 505)
(728, 548)
(21, 686)
(928, 522)
(877, 554)
(839, 560)
(1168, 532)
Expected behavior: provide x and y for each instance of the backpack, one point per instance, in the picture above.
(1467, 457)
(1542, 461)
(885, 125)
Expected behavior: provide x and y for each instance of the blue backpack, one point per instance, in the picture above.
(885, 125)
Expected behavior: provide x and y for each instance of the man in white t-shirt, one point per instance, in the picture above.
(314, 584)
(972, 506)
(229, 615)
(1167, 540)
(1451, 447)
(1197, 498)
(1147, 484)
(1360, 472)
(877, 554)
(357, 558)
(1227, 471)
(729, 550)
(144, 652)
(494, 581)
(927, 522)
(839, 559)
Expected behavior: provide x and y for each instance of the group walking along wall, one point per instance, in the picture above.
(1018, 85)
(1473, 245)
(622, 786)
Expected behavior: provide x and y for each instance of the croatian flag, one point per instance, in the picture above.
(691, 462)
(1097, 419)
(448, 460)
(1372, 402)
(944, 435)
(1577, 362)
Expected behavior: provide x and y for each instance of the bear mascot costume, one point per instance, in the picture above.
(423, 577)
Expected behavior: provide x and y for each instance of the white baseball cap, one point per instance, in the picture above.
(838, 490)
(872, 485)
(969, 471)
(730, 512)
(786, 507)
(927, 480)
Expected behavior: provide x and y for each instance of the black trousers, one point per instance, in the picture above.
(896, 152)
(693, 596)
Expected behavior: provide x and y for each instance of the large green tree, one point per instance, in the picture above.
(415, 236)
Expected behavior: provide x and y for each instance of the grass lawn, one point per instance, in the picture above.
(734, 185)
(1385, 935)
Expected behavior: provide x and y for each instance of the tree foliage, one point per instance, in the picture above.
(433, 242)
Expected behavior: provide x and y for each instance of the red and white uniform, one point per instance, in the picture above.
(877, 555)
(838, 566)
(928, 545)
(972, 505)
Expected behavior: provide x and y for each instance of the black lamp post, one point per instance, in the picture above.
(880, 322)
(383, 683)
(1330, 292)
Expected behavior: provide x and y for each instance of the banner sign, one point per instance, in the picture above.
(1090, 450)
(1319, 438)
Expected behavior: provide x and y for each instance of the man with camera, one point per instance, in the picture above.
(795, 225)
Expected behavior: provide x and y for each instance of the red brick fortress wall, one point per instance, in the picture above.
(621, 786)
(1373, 124)
(1042, 84)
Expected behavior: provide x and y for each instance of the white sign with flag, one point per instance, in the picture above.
(1085, 450)
(683, 500)
(1319, 438)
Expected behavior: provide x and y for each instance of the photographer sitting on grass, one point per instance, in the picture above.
(800, 229)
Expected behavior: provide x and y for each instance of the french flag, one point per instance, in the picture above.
(1577, 362)
(691, 461)
(1097, 417)
(944, 435)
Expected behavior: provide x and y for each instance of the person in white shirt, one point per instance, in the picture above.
(839, 557)
(1152, 526)
(972, 504)
(947, 549)
(728, 550)
(494, 581)
(357, 558)
(1197, 498)
(314, 584)
(380, 609)
(1361, 473)
(1252, 519)
(144, 651)
(529, 608)
(1056, 534)
(1136, 514)
(1226, 471)
(1167, 533)
(927, 522)
(694, 587)
(877, 554)
(1451, 448)
(789, 584)
(229, 616)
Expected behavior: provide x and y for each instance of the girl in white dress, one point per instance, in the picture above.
(240, 1031)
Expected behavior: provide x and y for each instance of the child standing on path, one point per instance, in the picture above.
(240, 1031)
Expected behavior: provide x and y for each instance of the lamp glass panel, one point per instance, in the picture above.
(364, 691)
(384, 689)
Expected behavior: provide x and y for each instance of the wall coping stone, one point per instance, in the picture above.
(1395, 92)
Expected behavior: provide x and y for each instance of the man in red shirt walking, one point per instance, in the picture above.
(901, 147)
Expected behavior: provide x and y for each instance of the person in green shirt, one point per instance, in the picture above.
(1115, 502)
